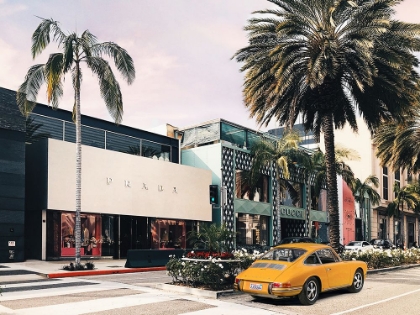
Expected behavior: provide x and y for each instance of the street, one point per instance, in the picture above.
(385, 293)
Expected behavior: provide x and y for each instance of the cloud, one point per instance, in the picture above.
(7, 9)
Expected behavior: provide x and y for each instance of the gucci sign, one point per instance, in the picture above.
(292, 213)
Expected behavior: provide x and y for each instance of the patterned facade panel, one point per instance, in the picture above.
(227, 181)
(293, 227)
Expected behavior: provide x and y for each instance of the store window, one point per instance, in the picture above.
(244, 190)
(291, 194)
(385, 183)
(251, 229)
(91, 229)
(168, 234)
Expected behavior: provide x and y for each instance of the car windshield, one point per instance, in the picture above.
(284, 254)
(354, 244)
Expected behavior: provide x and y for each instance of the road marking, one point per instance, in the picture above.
(375, 303)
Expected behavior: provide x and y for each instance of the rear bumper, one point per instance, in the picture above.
(275, 292)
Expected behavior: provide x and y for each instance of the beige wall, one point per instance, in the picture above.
(114, 182)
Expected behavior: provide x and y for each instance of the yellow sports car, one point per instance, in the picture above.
(300, 269)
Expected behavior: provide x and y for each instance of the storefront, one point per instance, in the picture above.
(112, 236)
(128, 202)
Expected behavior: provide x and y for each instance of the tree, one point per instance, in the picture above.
(32, 134)
(397, 143)
(362, 191)
(212, 237)
(408, 195)
(75, 51)
(325, 60)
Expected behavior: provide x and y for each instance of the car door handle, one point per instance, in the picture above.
(328, 269)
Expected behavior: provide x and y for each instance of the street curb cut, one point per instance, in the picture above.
(101, 272)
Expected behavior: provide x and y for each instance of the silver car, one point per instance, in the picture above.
(358, 246)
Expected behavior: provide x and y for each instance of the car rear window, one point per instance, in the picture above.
(283, 254)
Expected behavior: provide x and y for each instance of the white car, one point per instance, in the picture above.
(358, 246)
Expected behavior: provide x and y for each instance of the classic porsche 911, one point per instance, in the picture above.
(300, 269)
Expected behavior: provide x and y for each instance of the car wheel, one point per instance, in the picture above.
(358, 281)
(310, 292)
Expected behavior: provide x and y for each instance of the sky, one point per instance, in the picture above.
(182, 52)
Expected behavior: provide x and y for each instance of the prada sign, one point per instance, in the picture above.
(292, 213)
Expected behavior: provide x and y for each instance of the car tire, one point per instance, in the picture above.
(357, 282)
(310, 292)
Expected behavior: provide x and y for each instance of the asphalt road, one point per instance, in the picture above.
(385, 293)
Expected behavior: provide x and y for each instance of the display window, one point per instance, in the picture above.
(252, 229)
(168, 234)
(91, 231)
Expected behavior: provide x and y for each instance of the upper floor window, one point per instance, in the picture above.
(245, 191)
(397, 178)
(385, 183)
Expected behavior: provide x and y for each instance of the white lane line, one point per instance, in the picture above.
(375, 303)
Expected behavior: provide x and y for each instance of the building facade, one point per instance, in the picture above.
(12, 179)
(261, 217)
(135, 194)
(377, 223)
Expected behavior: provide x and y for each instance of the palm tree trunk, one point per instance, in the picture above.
(308, 206)
(332, 200)
(78, 162)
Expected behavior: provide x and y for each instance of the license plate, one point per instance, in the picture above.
(254, 286)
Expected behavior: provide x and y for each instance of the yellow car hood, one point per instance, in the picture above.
(264, 271)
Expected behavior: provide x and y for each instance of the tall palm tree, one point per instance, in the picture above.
(75, 51)
(362, 191)
(325, 60)
(408, 195)
(397, 143)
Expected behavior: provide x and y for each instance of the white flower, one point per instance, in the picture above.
(192, 252)
(221, 266)
(183, 263)
(202, 269)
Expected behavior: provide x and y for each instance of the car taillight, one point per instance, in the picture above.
(237, 280)
(277, 285)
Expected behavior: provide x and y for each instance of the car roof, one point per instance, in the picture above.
(306, 246)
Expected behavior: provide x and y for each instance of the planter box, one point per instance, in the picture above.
(193, 291)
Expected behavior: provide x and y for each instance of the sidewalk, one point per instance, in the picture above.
(54, 269)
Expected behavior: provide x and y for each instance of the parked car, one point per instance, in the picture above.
(382, 243)
(358, 246)
(296, 239)
(340, 247)
(301, 269)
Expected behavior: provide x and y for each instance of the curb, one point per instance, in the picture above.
(79, 273)
(373, 271)
(193, 291)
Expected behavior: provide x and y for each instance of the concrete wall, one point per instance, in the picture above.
(118, 183)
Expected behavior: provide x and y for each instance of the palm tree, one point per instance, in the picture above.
(408, 195)
(362, 191)
(75, 51)
(32, 133)
(325, 60)
(396, 143)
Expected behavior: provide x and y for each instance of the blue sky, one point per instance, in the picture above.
(182, 52)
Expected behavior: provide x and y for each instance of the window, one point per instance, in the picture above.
(385, 183)
(397, 177)
(252, 229)
(311, 260)
(326, 256)
(283, 254)
(244, 191)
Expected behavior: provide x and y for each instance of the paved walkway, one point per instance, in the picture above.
(54, 269)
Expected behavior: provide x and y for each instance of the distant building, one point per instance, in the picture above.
(307, 138)
(378, 223)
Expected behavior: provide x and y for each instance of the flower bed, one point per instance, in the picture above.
(206, 269)
(378, 258)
